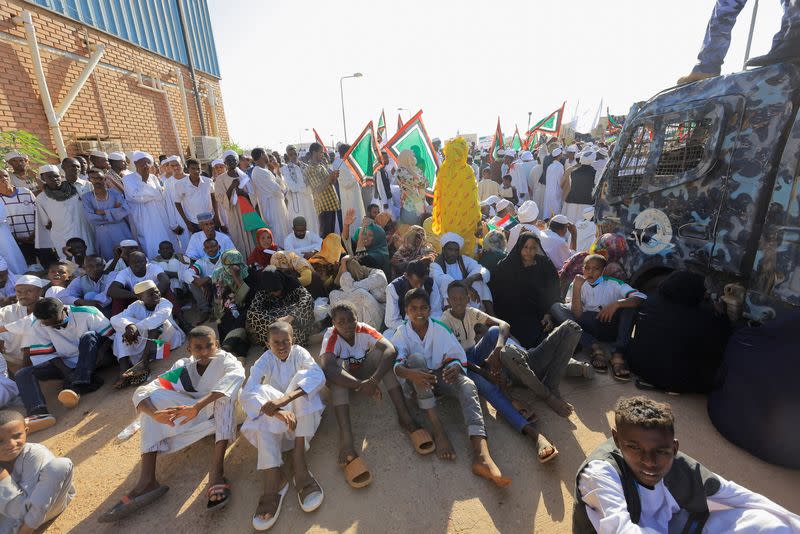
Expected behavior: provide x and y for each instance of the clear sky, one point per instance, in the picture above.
(463, 63)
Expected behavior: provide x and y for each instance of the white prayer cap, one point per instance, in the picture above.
(559, 219)
(603, 152)
(557, 152)
(3, 264)
(503, 204)
(117, 156)
(48, 168)
(143, 286)
(217, 162)
(230, 153)
(14, 154)
(138, 154)
(588, 213)
(526, 156)
(452, 237)
(98, 154)
(573, 149)
(247, 155)
(510, 153)
(29, 280)
(588, 157)
(528, 212)
(171, 159)
(128, 243)
(501, 152)
(490, 200)
(202, 217)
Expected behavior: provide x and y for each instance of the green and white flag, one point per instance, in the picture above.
(364, 157)
(380, 131)
(497, 142)
(516, 141)
(177, 379)
(413, 136)
(550, 124)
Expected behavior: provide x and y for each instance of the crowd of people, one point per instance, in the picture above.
(496, 277)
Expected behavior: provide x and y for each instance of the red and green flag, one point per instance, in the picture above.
(380, 131)
(320, 141)
(550, 124)
(516, 141)
(497, 142)
(364, 156)
(177, 379)
(399, 122)
(251, 220)
(506, 223)
(163, 347)
(414, 137)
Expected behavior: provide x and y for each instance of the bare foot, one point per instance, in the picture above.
(444, 449)
(560, 406)
(485, 467)
(267, 506)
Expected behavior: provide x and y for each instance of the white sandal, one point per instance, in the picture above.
(266, 524)
(312, 501)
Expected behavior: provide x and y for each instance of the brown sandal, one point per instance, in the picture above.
(620, 371)
(357, 473)
(599, 361)
(422, 441)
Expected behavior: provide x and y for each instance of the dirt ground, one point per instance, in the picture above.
(409, 493)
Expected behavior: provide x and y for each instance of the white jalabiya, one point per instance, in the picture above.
(519, 178)
(172, 192)
(144, 320)
(270, 190)
(367, 295)
(9, 249)
(146, 200)
(299, 196)
(224, 374)
(18, 322)
(536, 189)
(67, 219)
(350, 195)
(553, 193)
(311, 242)
(453, 272)
(271, 378)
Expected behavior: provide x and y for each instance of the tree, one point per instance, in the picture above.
(25, 142)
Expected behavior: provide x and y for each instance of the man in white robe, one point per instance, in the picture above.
(146, 199)
(302, 241)
(270, 191)
(173, 181)
(553, 193)
(60, 211)
(299, 196)
(520, 170)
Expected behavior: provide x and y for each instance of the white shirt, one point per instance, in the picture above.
(47, 343)
(393, 316)
(453, 272)
(439, 347)
(195, 247)
(200, 267)
(269, 369)
(603, 292)
(129, 280)
(365, 339)
(195, 199)
(85, 288)
(310, 243)
(555, 247)
(172, 265)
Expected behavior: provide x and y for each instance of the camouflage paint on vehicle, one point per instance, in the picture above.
(703, 177)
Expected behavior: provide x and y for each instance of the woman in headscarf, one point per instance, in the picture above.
(415, 246)
(370, 247)
(612, 247)
(326, 261)
(494, 249)
(235, 286)
(298, 267)
(280, 298)
(524, 286)
(455, 196)
(261, 256)
(363, 287)
(412, 188)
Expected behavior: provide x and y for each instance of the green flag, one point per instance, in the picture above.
(364, 157)
(380, 131)
(516, 141)
(497, 142)
(413, 136)
(550, 124)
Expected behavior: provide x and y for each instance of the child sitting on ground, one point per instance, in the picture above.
(197, 278)
(356, 357)
(58, 275)
(605, 308)
(429, 361)
(35, 486)
(172, 266)
(638, 481)
(192, 400)
(136, 330)
(284, 409)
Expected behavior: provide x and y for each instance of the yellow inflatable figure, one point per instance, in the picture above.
(455, 196)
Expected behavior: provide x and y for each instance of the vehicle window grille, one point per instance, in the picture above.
(684, 146)
(632, 164)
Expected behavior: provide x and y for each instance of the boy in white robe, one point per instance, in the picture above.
(638, 482)
(16, 319)
(284, 409)
(192, 400)
(136, 329)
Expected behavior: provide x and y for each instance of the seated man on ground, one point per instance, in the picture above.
(192, 400)
(356, 357)
(16, 320)
(452, 265)
(121, 255)
(429, 361)
(197, 278)
(207, 231)
(35, 486)
(638, 481)
(554, 242)
(605, 308)
(284, 409)
(302, 241)
(416, 276)
(145, 330)
(172, 266)
(65, 343)
(90, 289)
(483, 363)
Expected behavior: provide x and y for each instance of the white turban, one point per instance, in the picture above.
(14, 154)
(48, 168)
(29, 280)
(559, 219)
(117, 156)
(171, 159)
(587, 158)
(557, 152)
(526, 156)
(128, 243)
(98, 154)
(490, 200)
(452, 237)
(503, 204)
(143, 286)
(217, 162)
(230, 153)
(138, 154)
(528, 212)
(573, 149)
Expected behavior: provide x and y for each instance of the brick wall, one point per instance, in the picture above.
(136, 116)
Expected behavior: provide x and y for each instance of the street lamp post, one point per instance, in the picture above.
(341, 93)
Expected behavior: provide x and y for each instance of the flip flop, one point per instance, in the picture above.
(266, 524)
(616, 371)
(312, 500)
(218, 489)
(543, 442)
(599, 362)
(128, 505)
(36, 423)
(422, 441)
(69, 398)
(357, 473)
